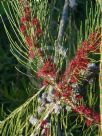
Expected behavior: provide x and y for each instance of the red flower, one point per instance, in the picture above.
(49, 69)
(85, 46)
(45, 83)
(43, 123)
(81, 53)
(57, 94)
(73, 79)
(81, 108)
(35, 22)
(23, 20)
(28, 17)
(96, 117)
(65, 88)
(73, 63)
(22, 28)
(88, 123)
(60, 85)
(82, 63)
(94, 48)
(92, 37)
(47, 132)
(94, 41)
(29, 41)
(66, 95)
(68, 89)
(27, 13)
(87, 111)
(38, 32)
(27, 10)
(78, 97)
(31, 54)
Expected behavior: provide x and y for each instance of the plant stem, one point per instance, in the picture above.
(61, 30)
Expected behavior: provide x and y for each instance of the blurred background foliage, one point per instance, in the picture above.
(14, 87)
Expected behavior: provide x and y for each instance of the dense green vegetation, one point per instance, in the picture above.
(15, 85)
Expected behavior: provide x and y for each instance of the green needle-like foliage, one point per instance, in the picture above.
(17, 123)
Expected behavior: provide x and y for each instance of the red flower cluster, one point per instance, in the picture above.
(31, 54)
(49, 69)
(23, 20)
(96, 117)
(22, 28)
(85, 110)
(36, 23)
(66, 89)
(27, 13)
(43, 123)
(25, 27)
(75, 66)
(78, 97)
(57, 94)
(45, 128)
(30, 45)
(25, 5)
(29, 41)
(88, 122)
(80, 108)
(81, 60)
(88, 112)
(38, 32)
